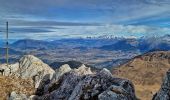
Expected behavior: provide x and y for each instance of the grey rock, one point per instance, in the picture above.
(83, 70)
(85, 85)
(59, 72)
(15, 96)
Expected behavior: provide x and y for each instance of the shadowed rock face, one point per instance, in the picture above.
(164, 92)
(83, 85)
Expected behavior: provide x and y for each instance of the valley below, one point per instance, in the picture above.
(118, 67)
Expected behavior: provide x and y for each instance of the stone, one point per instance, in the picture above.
(83, 70)
(15, 96)
(59, 72)
(84, 85)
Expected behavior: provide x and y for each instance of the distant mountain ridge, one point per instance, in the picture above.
(141, 44)
(111, 44)
(124, 45)
(32, 44)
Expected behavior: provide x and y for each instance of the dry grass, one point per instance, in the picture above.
(9, 84)
(146, 72)
(146, 92)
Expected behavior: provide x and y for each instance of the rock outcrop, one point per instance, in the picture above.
(82, 84)
(59, 72)
(29, 67)
(164, 92)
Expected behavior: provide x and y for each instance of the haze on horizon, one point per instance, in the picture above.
(51, 19)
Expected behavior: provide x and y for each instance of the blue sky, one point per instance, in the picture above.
(50, 19)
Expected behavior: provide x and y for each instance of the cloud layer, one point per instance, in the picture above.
(73, 18)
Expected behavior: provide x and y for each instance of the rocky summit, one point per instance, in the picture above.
(75, 85)
(68, 84)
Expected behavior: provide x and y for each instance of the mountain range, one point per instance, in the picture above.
(143, 44)
(98, 52)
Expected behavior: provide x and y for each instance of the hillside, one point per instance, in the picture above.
(32, 44)
(146, 72)
(124, 45)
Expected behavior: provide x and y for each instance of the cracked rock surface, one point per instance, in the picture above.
(78, 85)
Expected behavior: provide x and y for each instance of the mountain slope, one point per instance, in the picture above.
(124, 45)
(32, 44)
(155, 43)
(146, 71)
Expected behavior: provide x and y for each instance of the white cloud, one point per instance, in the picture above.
(117, 30)
(84, 31)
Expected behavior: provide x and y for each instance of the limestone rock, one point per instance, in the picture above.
(29, 67)
(59, 72)
(76, 85)
(10, 70)
(83, 70)
(164, 92)
(15, 96)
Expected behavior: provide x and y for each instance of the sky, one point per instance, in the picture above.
(55, 19)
